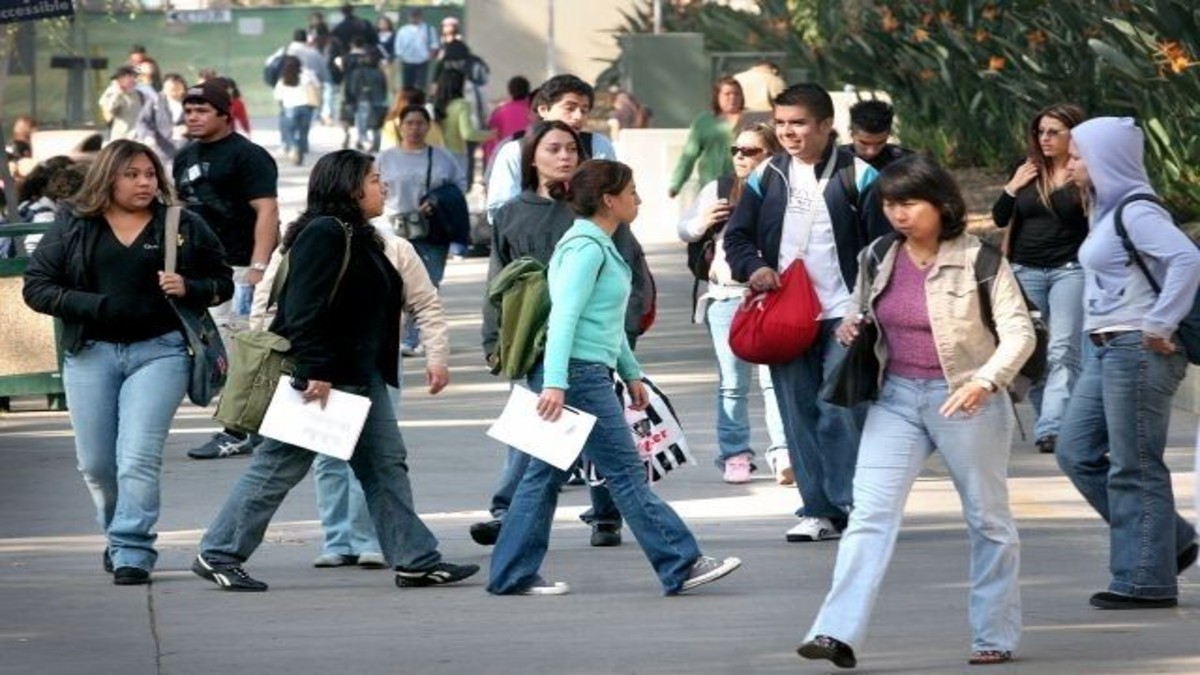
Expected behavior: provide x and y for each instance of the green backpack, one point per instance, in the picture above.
(259, 359)
(521, 293)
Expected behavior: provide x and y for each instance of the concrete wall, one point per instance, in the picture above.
(512, 34)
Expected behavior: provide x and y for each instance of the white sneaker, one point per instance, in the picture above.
(542, 587)
(781, 466)
(371, 561)
(813, 529)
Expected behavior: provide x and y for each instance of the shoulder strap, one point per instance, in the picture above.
(586, 140)
(282, 271)
(171, 239)
(849, 183)
(724, 187)
(428, 167)
(987, 264)
(1119, 225)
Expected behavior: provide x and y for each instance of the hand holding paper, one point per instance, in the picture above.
(558, 442)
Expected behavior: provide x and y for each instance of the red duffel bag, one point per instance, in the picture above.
(777, 326)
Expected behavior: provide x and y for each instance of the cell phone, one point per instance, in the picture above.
(299, 383)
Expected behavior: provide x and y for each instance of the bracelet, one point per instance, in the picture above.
(258, 267)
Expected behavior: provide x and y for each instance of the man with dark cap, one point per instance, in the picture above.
(231, 183)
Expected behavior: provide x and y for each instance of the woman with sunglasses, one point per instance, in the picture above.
(717, 306)
(1048, 225)
(709, 136)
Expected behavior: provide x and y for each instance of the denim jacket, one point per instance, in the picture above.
(965, 345)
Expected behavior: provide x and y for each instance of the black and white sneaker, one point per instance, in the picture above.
(225, 444)
(440, 574)
(229, 576)
(707, 569)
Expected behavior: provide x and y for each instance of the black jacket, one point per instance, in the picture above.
(59, 279)
(755, 228)
(351, 337)
(531, 225)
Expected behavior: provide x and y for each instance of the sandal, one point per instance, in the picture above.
(990, 657)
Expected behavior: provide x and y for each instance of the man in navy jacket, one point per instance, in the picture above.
(815, 204)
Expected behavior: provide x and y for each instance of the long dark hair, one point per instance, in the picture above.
(529, 174)
(590, 182)
(1071, 116)
(921, 178)
(450, 86)
(334, 188)
(291, 71)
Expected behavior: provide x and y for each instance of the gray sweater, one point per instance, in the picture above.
(404, 173)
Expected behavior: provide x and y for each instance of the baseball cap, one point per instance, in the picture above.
(214, 92)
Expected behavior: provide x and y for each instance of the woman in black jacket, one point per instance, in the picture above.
(125, 364)
(344, 327)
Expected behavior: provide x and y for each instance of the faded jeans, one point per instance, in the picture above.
(1058, 293)
(122, 399)
(434, 257)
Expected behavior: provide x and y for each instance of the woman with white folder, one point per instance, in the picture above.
(589, 288)
(344, 327)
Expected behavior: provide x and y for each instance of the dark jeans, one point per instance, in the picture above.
(414, 74)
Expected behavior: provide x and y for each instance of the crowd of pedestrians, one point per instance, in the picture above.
(879, 231)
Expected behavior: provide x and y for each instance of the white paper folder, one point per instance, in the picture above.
(333, 431)
(557, 443)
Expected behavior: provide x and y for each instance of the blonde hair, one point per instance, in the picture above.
(94, 197)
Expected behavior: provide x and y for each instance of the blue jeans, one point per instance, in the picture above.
(665, 540)
(1111, 446)
(295, 132)
(328, 96)
(733, 389)
(603, 511)
(434, 257)
(380, 462)
(902, 430)
(368, 135)
(122, 399)
(822, 438)
(1058, 293)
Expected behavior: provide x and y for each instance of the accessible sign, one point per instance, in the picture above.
(14, 11)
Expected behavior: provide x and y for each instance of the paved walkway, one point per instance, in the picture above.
(60, 614)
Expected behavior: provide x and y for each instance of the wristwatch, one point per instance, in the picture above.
(258, 267)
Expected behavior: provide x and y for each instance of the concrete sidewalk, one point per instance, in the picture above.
(60, 614)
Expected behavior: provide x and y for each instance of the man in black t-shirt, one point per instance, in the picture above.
(231, 183)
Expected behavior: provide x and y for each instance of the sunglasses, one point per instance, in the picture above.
(736, 150)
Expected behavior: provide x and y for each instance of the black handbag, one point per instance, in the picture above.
(855, 380)
(210, 362)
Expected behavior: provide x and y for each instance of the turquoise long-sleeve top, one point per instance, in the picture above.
(706, 149)
(589, 290)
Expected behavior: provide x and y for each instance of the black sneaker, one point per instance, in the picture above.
(438, 575)
(130, 576)
(1187, 558)
(486, 533)
(229, 576)
(825, 647)
(107, 561)
(1045, 444)
(1110, 600)
(225, 444)
(606, 534)
(707, 569)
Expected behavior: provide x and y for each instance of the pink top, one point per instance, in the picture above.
(506, 120)
(904, 320)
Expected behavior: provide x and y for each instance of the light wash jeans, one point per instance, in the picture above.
(1058, 293)
(341, 503)
(295, 124)
(733, 389)
(1111, 446)
(380, 461)
(434, 257)
(903, 428)
(665, 540)
(822, 438)
(233, 315)
(122, 398)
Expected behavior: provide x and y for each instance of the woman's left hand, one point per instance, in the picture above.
(640, 399)
(968, 398)
(550, 403)
(172, 284)
(437, 377)
(426, 208)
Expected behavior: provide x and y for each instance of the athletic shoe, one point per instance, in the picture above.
(106, 561)
(542, 587)
(707, 569)
(229, 576)
(371, 561)
(408, 351)
(1045, 444)
(825, 647)
(737, 469)
(605, 535)
(130, 576)
(1110, 600)
(781, 466)
(1187, 558)
(335, 560)
(486, 533)
(813, 529)
(225, 444)
(440, 574)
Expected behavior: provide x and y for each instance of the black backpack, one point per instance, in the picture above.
(1189, 328)
(700, 253)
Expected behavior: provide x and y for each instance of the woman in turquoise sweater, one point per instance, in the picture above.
(589, 289)
(711, 136)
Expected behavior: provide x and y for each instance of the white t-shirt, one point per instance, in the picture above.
(816, 247)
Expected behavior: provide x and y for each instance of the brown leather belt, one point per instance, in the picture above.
(1101, 339)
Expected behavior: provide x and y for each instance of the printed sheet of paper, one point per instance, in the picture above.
(556, 443)
(333, 431)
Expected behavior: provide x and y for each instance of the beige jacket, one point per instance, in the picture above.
(965, 345)
(421, 299)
